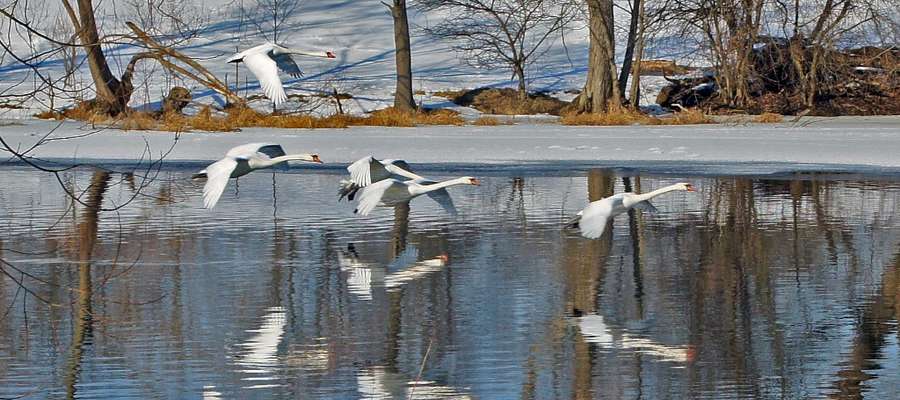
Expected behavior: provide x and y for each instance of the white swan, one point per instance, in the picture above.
(240, 161)
(391, 192)
(592, 219)
(265, 60)
(368, 170)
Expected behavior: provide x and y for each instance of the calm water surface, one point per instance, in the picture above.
(747, 289)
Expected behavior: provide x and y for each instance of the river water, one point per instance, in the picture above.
(749, 288)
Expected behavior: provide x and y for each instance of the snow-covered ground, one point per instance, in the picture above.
(851, 144)
(359, 32)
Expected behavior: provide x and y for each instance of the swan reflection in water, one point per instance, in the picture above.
(595, 330)
(362, 276)
(379, 383)
(259, 360)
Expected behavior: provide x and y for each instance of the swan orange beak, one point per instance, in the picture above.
(443, 257)
(690, 188)
(475, 181)
(329, 54)
(315, 158)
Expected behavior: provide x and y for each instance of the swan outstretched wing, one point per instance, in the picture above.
(592, 226)
(401, 168)
(271, 150)
(266, 71)
(373, 194)
(594, 218)
(286, 63)
(442, 197)
(367, 170)
(645, 206)
(217, 175)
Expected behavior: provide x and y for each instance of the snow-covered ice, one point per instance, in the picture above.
(846, 144)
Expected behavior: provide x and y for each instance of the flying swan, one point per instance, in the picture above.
(265, 60)
(391, 192)
(240, 161)
(369, 170)
(592, 219)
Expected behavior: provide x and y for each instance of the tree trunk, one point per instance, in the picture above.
(635, 94)
(601, 89)
(519, 70)
(629, 47)
(112, 97)
(403, 95)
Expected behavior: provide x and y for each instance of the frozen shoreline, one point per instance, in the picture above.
(845, 144)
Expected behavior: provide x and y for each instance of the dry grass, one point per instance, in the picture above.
(662, 67)
(620, 117)
(691, 116)
(768, 118)
(205, 120)
(450, 94)
(393, 117)
(631, 117)
(486, 121)
(508, 102)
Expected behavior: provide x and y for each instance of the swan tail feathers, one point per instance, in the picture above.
(348, 189)
(574, 222)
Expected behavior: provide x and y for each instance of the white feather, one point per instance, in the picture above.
(217, 175)
(374, 194)
(266, 71)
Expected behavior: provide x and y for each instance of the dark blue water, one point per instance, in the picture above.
(750, 288)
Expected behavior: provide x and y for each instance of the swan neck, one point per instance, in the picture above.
(306, 53)
(280, 159)
(440, 185)
(657, 192)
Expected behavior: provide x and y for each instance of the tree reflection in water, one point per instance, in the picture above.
(750, 289)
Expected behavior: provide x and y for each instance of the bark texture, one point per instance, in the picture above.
(403, 95)
(601, 89)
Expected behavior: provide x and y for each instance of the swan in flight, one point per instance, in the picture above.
(240, 161)
(369, 170)
(265, 60)
(592, 219)
(391, 192)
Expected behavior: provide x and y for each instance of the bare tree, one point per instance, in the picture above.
(817, 29)
(403, 95)
(112, 93)
(271, 17)
(500, 33)
(601, 89)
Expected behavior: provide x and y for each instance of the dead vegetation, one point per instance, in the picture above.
(662, 67)
(235, 118)
(631, 117)
(393, 117)
(768, 118)
(486, 121)
(505, 101)
(861, 81)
